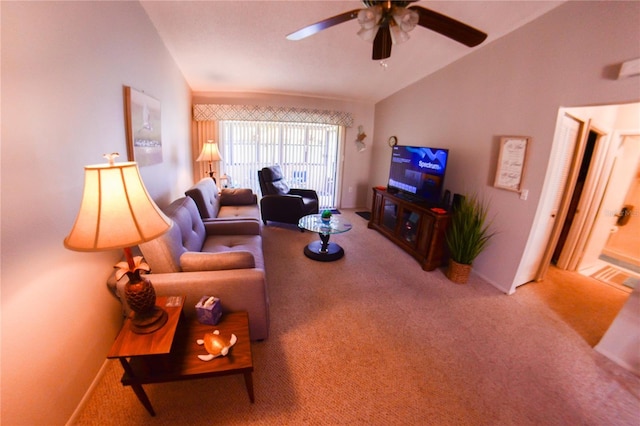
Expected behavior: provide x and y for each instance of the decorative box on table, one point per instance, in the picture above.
(209, 310)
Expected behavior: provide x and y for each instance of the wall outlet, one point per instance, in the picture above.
(524, 194)
(350, 189)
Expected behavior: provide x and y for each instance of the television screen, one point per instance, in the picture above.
(418, 172)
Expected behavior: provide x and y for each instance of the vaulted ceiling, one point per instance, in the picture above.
(240, 46)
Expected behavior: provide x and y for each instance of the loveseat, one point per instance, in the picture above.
(229, 203)
(221, 258)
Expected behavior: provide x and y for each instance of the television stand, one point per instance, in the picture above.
(409, 198)
(415, 227)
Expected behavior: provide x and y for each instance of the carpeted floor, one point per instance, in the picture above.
(372, 339)
(586, 305)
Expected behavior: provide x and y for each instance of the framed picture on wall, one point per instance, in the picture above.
(511, 162)
(143, 127)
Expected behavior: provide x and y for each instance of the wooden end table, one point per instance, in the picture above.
(171, 353)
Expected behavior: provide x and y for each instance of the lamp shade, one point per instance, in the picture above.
(116, 210)
(209, 152)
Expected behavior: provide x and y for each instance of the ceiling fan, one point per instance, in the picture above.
(388, 22)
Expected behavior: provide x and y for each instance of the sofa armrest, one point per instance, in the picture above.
(306, 193)
(238, 290)
(233, 227)
(237, 197)
(197, 261)
(285, 203)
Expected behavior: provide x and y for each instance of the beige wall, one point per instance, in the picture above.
(513, 86)
(63, 68)
(355, 171)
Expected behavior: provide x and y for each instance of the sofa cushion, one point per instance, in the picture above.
(237, 197)
(231, 243)
(163, 253)
(281, 187)
(233, 227)
(184, 213)
(239, 212)
(187, 233)
(272, 173)
(192, 261)
(205, 195)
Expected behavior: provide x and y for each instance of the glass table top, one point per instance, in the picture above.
(314, 223)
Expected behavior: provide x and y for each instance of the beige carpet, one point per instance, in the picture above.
(373, 340)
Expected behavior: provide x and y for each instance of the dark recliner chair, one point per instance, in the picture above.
(279, 203)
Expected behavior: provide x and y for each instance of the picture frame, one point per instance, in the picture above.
(512, 160)
(143, 127)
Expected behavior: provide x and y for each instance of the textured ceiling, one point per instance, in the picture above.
(240, 46)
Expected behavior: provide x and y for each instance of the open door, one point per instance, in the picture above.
(588, 187)
(536, 258)
(570, 166)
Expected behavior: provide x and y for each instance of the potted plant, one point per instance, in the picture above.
(467, 235)
(326, 216)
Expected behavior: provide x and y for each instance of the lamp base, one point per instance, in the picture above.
(149, 322)
(141, 298)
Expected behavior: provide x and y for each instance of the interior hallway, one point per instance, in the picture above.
(584, 303)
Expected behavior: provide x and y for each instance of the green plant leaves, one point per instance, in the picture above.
(468, 233)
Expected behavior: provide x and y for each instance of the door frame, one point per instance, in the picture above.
(589, 200)
(567, 193)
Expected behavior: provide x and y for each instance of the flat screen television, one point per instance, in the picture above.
(418, 173)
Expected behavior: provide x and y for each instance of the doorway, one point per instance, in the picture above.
(573, 126)
(570, 221)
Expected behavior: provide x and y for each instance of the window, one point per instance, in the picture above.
(307, 153)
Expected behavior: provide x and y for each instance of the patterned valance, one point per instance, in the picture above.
(207, 112)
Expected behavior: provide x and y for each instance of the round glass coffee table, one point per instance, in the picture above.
(323, 250)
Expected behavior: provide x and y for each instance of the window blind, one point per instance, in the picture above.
(307, 153)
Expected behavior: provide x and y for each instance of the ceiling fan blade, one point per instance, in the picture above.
(449, 27)
(323, 25)
(382, 43)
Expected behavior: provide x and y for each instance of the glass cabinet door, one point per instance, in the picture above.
(389, 215)
(410, 226)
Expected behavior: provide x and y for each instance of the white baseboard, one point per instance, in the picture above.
(88, 393)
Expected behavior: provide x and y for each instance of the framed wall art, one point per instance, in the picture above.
(511, 162)
(143, 127)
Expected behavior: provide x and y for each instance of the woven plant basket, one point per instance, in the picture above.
(458, 272)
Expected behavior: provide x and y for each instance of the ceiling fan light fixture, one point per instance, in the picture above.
(368, 34)
(398, 35)
(406, 19)
(370, 17)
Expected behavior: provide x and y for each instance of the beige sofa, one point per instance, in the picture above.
(229, 203)
(221, 258)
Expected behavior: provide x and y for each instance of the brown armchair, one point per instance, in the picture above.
(279, 203)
